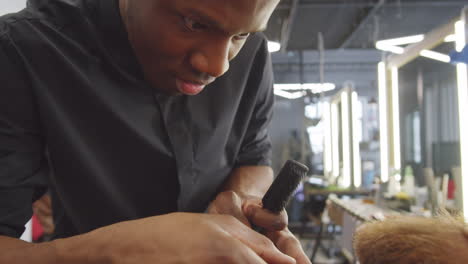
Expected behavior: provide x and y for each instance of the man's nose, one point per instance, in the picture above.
(213, 59)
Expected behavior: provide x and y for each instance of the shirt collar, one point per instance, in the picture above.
(115, 37)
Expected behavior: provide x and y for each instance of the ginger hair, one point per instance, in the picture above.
(411, 240)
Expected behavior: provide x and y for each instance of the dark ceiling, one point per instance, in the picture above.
(355, 24)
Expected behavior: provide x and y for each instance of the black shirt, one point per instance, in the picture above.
(76, 111)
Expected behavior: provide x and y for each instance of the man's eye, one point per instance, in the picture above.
(242, 36)
(193, 25)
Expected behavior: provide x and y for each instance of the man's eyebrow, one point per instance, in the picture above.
(204, 18)
(213, 22)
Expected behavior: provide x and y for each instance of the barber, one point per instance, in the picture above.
(147, 119)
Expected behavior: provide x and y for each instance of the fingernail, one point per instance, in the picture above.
(291, 259)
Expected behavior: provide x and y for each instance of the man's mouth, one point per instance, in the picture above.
(188, 87)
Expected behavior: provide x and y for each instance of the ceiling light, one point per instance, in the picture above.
(288, 86)
(435, 55)
(319, 87)
(273, 46)
(313, 87)
(390, 48)
(450, 38)
(391, 45)
(289, 95)
(402, 40)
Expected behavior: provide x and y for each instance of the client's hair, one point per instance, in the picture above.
(411, 240)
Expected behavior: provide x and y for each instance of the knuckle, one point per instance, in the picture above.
(288, 240)
(225, 252)
(227, 196)
(266, 243)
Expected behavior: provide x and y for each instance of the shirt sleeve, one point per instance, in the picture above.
(256, 145)
(23, 173)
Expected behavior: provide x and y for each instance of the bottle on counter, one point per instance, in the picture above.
(408, 186)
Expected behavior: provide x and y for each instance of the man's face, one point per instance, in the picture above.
(184, 45)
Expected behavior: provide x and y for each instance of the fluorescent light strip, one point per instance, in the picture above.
(357, 174)
(328, 161)
(391, 45)
(335, 140)
(450, 38)
(319, 87)
(273, 46)
(460, 35)
(288, 95)
(314, 87)
(390, 48)
(346, 139)
(382, 74)
(462, 83)
(435, 55)
(288, 86)
(396, 120)
(402, 41)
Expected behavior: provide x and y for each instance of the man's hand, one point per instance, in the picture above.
(248, 209)
(172, 238)
(186, 238)
(287, 243)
